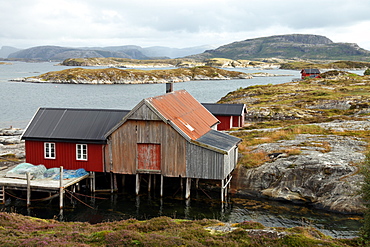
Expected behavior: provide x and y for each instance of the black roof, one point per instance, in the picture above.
(311, 71)
(219, 140)
(225, 109)
(69, 124)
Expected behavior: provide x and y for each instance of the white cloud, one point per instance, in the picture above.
(27, 23)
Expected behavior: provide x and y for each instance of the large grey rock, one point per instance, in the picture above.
(324, 177)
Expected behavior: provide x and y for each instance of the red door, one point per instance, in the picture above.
(149, 156)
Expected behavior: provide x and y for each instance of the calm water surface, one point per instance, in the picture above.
(19, 101)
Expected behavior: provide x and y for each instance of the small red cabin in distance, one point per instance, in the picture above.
(312, 73)
(229, 115)
(72, 138)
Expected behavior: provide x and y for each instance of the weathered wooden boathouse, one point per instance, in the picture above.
(171, 135)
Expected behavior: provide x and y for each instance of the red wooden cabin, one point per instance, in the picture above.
(229, 115)
(72, 138)
(312, 73)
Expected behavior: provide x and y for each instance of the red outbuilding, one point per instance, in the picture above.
(311, 73)
(72, 138)
(229, 115)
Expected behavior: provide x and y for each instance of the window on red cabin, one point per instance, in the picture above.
(81, 151)
(49, 150)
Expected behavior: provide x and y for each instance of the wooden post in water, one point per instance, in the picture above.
(161, 192)
(150, 182)
(61, 188)
(222, 191)
(28, 189)
(154, 181)
(187, 189)
(111, 182)
(92, 182)
(115, 186)
(137, 183)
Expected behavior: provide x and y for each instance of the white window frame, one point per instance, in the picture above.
(81, 152)
(49, 150)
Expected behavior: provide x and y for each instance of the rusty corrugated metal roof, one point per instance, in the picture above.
(184, 111)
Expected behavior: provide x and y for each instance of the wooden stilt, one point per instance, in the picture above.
(137, 183)
(181, 185)
(28, 189)
(61, 188)
(154, 181)
(197, 183)
(188, 186)
(161, 192)
(222, 191)
(92, 182)
(150, 182)
(111, 183)
(115, 186)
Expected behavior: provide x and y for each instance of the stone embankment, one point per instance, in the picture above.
(11, 143)
(325, 174)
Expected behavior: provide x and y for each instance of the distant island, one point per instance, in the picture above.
(120, 76)
(167, 63)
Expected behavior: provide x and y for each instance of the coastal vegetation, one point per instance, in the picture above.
(337, 65)
(18, 230)
(291, 108)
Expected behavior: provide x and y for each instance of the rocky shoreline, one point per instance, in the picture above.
(11, 144)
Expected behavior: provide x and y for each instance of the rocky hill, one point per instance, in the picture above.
(293, 46)
(57, 53)
(6, 50)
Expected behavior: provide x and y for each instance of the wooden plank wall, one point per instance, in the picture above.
(124, 146)
(204, 163)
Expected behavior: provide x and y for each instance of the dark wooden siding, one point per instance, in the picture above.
(124, 152)
(65, 156)
(204, 163)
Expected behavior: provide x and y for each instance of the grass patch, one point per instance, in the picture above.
(18, 230)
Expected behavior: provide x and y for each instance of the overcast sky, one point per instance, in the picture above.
(177, 23)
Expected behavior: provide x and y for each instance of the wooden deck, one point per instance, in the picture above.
(47, 184)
